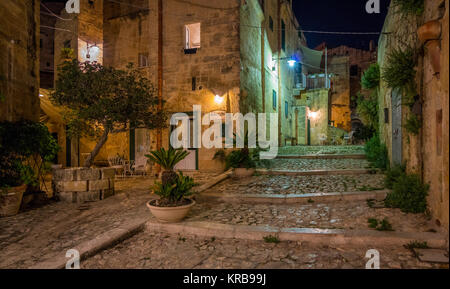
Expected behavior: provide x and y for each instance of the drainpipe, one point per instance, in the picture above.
(279, 75)
(160, 73)
(263, 68)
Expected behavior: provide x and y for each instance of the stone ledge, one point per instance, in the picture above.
(91, 247)
(317, 172)
(293, 198)
(316, 236)
(213, 182)
(326, 157)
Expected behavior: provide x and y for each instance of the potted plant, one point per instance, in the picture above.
(173, 204)
(242, 161)
(168, 159)
(12, 187)
(26, 148)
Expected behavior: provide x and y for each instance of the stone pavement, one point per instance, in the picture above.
(30, 237)
(319, 164)
(336, 215)
(326, 150)
(149, 250)
(269, 184)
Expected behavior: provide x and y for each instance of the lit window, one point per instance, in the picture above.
(192, 32)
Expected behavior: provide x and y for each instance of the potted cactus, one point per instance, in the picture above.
(174, 189)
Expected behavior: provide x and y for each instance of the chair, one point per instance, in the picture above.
(140, 166)
(127, 165)
(323, 138)
(115, 163)
(349, 138)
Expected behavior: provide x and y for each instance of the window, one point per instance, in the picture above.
(283, 35)
(386, 115)
(286, 109)
(271, 23)
(192, 34)
(354, 70)
(194, 83)
(274, 99)
(143, 59)
(67, 44)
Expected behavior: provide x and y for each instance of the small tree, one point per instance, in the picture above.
(100, 101)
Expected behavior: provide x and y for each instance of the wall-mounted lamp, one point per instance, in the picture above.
(290, 60)
(218, 99)
(313, 114)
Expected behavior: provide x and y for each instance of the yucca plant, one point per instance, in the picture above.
(174, 194)
(168, 159)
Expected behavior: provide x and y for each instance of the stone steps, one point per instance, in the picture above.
(323, 156)
(292, 198)
(317, 172)
(316, 236)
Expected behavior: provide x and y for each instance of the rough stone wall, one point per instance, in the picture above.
(317, 102)
(79, 185)
(340, 92)
(435, 149)
(19, 60)
(426, 154)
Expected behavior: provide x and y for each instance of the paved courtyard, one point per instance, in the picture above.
(149, 250)
(47, 233)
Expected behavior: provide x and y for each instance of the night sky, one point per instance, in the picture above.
(339, 15)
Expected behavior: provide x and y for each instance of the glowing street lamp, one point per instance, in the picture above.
(218, 99)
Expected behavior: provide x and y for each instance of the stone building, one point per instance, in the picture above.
(227, 56)
(347, 65)
(427, 153)
(19, 55)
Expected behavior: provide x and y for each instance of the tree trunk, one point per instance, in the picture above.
(90, 160)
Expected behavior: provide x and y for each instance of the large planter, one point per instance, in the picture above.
(243, 173)
(11, 201)
(170, 214)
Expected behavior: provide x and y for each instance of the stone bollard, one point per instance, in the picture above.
(79, 185)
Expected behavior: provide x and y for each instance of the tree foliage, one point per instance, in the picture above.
(371, 77)
(102, 100)
(410, 7)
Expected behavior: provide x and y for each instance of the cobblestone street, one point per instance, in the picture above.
(317, 150)
(159, 251)
(269, 184)
(65, 226)
(319, 164)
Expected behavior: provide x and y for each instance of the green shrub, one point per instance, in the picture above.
(242, 158)
(367, 109)
(371, 77)
(377, 153)
(409, 194)
(413, 124)
(392, 175)
(399, 72)
(410, 7)
(26, 149)
(272, 239)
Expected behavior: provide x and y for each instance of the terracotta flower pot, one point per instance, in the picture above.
(170, 214)
(243, 173)
(11, 201)
(433, 49)
(429, 31)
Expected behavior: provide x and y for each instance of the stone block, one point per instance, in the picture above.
(98, 185)
(73, 186)
(66, 197)
(64, 175)
(87, 174)
(90, 196)
(108, 173)
(107, 193)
